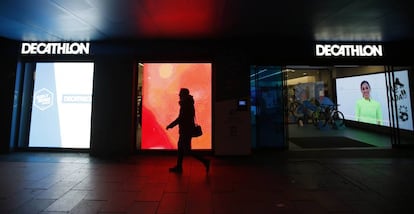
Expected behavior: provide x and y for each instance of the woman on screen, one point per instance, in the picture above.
(368, 110)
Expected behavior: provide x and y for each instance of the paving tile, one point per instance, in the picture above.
(87, 207)
(177, 184)
(15, 200)
(309, 207)
(56, 191)
(119, 204)
(65, 183)
(150, 193)
(67, 202)
(143, 208)
(173, 203)
(199, 207)
(33, 206)
(99, 195)
(330, 202)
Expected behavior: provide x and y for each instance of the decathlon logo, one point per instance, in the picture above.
(43, 99)
(75, 48)
(348, 50)
(76, 98)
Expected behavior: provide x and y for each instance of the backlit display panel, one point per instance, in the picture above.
(349, 92)
(161, 85)
(62, 102)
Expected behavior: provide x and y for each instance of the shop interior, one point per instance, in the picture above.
(323, 113)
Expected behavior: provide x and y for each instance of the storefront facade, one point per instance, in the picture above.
(236, 124)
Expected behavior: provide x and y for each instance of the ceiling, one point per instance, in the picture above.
(99, 20)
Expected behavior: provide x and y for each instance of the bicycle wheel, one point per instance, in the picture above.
(292, 107)
(338, 119)
(297, 110)
(318, 119)
(315, 118)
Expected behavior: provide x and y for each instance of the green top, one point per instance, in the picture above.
(368, 111)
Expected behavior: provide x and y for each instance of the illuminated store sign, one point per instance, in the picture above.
(55, 48)
(349, 50)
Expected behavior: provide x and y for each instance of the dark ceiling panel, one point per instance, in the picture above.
(322, 20)
(351, 21)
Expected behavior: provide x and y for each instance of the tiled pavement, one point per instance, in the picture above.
(271, 182)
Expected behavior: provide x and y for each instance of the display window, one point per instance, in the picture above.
(365, 99)
(158, 103)
(351, 107)
(61, 108)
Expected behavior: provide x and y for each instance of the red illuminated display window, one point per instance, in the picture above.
(161, 85)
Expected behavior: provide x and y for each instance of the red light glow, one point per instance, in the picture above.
(177, 18)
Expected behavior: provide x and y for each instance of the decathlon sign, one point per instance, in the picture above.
(55, 48)
(348, 50)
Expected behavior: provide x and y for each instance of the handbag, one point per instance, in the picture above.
(197, 131)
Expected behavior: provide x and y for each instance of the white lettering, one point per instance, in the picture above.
(44, 99)
(320, 51)
(41, 48)
(376, 50)
(74, 48)
(355, 51)
(77, 98)
(348, 50)
(84, 47)
(34, 48)
(60, 49)
(25, 48)
(336, 50)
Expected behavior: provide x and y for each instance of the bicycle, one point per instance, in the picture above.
(328, 114)
(302, 110)
(295, 109)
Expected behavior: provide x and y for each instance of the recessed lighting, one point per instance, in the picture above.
(289, 70)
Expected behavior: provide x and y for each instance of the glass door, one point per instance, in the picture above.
(267, 107)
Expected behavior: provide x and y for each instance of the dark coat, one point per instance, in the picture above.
(185, 119)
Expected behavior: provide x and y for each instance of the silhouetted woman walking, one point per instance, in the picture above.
(185, 122)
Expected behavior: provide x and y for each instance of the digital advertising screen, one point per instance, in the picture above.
(61, 108)
(365, 99)
(161, 85)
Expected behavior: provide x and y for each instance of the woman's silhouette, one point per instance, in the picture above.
(185, 122)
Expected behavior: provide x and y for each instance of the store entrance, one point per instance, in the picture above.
(345, 107)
